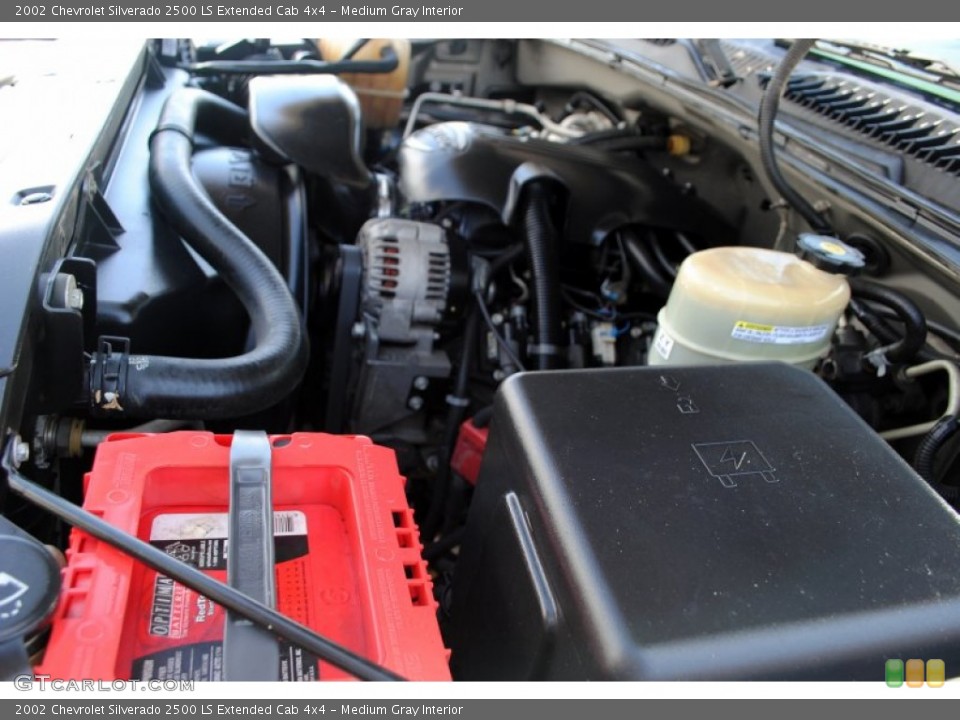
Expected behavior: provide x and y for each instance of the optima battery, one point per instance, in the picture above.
(346, 549)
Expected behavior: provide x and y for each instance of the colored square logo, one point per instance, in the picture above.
(893, 672)
(914, 673)
(936, 673)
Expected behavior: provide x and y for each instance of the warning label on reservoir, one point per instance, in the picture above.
(779, 334)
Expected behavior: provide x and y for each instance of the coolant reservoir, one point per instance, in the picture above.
(381, 95)
(735, 304)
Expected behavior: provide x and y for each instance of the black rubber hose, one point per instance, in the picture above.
(914, 322)
(608, 110)
(621, 139)
(926, 455)
(457, 411)
(768, 113)
(948, 335)
(202, 389)
(541, 241)
(444, 545)
(638, 143)
(387, 63)
(357, 46)
(506, 257)
(641, 255)
(874, 318)
(686, 243)
(666, 265)
(599, 136)
(482, 417)
(874, 324)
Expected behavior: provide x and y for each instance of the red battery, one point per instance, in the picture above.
(347, 551)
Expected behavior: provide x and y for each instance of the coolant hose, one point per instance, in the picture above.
(769, 105)
(541, 241)
(907, 311)
(927, 451)
(181, 388)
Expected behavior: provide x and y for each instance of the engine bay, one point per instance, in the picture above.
(547, 371)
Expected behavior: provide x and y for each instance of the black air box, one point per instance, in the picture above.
(730, 522)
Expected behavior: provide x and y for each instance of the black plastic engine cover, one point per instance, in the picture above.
(458, 161)
(729, 522)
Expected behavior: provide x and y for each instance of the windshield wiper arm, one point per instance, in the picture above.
(722, 69)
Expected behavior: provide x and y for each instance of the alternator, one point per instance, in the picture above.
(407, 271)
(405, 295)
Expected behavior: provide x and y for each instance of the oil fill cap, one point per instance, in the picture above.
(830, 254)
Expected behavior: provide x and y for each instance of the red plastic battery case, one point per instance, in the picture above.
(347, 550)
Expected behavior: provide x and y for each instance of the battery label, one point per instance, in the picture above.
(778, 334)
(200, 539)
(203, 662)
(183, 636)
(167, 610)
(296, 664)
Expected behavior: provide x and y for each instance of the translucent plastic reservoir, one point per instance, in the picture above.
(737, 304)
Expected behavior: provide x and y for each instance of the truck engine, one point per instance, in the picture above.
(483, 360)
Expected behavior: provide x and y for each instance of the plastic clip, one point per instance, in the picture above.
(108, 373)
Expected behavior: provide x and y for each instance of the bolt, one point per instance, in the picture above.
(75, 299)
(21, 451)
(636, 332)
(496, 319)
(421, 383)
(357, 331)
(65, 293)
(415, 402)
(499, 375)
